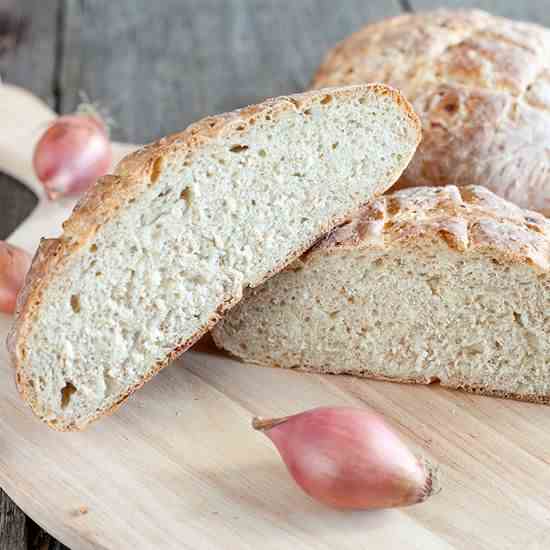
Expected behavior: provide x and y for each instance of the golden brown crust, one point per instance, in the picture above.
(465, 218)
(481, 85)
(134, 174)
(46, 255)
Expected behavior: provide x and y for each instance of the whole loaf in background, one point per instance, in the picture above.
(480, 84)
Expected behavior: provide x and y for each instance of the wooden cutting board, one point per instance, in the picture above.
(179, 466)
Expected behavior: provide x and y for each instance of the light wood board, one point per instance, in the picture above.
(179, 466)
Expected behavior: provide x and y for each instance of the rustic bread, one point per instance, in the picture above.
(153, 255)
(427, 284)
(481, 86)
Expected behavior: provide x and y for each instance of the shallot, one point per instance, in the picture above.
(14, 264)
(72, 153)
(349, 458)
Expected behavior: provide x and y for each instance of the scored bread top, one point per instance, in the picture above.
(137, 173)
(481, 86)
(465, 218)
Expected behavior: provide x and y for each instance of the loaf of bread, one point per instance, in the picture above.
(447, 284)
(481, 86)
(154, 254)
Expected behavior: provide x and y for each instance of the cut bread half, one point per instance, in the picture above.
(154, 254)
(448, 285)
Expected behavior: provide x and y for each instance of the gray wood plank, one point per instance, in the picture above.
(38, 539)
(159, 66)
(526, 10)
(28, 34)
(16, 203)
(27, 58)
(13, 534)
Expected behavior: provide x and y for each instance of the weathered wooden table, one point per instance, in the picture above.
(157, 66)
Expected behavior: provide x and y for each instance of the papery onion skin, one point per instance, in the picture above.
(349, 458)
(72, 154)
(14, 265)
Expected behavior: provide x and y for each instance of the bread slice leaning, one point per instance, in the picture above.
(154, 254)
(448, 285)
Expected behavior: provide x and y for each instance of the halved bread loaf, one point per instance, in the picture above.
(153, 255)
(427, 284)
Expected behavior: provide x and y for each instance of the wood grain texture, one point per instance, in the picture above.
(27, 57)
(13, 535)
(159, 66)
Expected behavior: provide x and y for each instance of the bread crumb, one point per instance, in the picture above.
(81, 511)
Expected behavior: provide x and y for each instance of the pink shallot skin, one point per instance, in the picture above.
(72, 154)
(347, 457)
(14, 265)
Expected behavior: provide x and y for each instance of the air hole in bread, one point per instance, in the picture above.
(66, 394)
(433, 283)
(262, 153)
(238, 148)
(156, 170)
(186, 195)
(517, 318)
(75, 303)
(93, 248)
(451, 107)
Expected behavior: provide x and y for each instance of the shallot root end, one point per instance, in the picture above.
(262, 424)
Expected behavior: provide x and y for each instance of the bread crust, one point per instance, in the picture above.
(481, 86)
(134, 174)
(464, 218)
